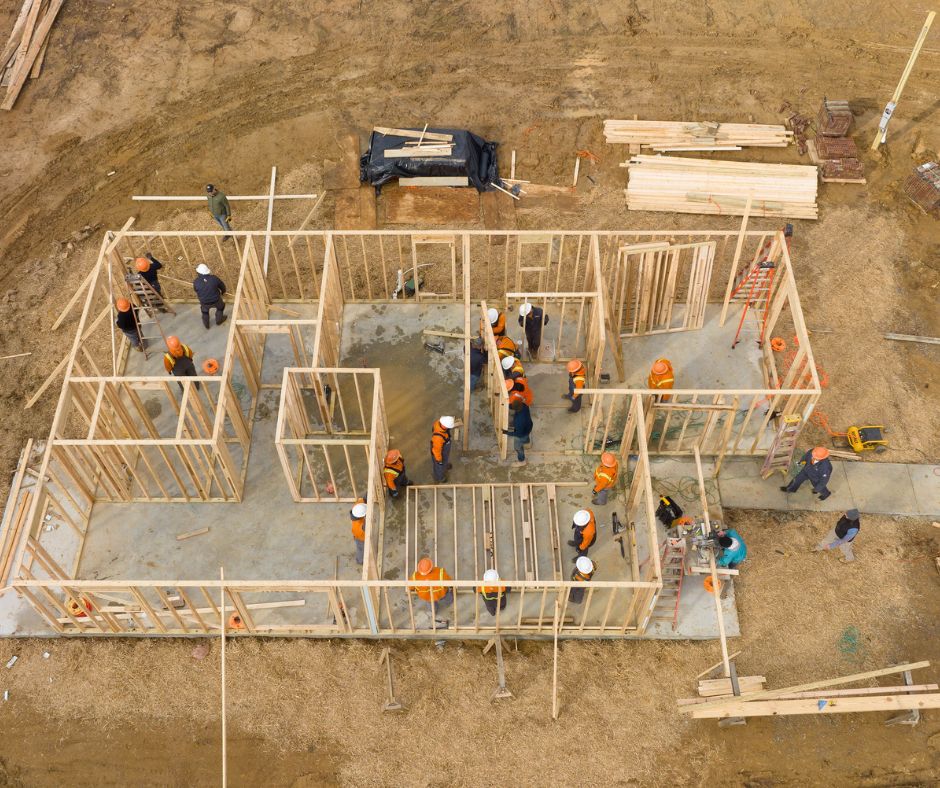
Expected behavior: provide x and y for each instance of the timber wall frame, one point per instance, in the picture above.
(102, 447)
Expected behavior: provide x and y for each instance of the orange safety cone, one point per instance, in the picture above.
(710, 585)
(210, 366)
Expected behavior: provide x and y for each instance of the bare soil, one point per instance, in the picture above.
(168, 96)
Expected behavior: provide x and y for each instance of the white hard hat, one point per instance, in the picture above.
(508, 362)
(491, 575)
(582, 517)
(585, 565)
(447, 422)
(524, 309)
(359, 510)
(492, 315)
(203, 269)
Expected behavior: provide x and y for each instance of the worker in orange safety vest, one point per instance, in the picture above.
(493, 594)
(394, 473)
(584, 569)
(585, 532)
(605, 477)
(497, 322)
(178, 360)
(440, 594)
(661, 376)
(506, 347)
(440, 447)
(357, 517)
(577, 376)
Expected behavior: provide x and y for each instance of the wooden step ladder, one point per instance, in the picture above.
(673, 570)
(780, 456)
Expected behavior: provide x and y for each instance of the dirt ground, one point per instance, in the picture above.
(168, 96)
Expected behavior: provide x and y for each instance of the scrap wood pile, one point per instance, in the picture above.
(696, 136)
(421, 143)
(25, 50)
(668, 183)
(718, 701)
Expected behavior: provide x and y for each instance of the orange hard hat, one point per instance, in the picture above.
(710, 584)
(235, 622)
(509, 384)
(142, 263)
(608, 460)
(425, 566)
(820, 453)
(210, 366)
(173, 342)
(123, 305)
(660, 366)
(392, 455)
(574, 365)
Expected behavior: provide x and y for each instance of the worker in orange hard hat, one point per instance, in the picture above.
(357, 517)
(661, 376)
(605, 477)
(577, 376)
(518, 389)
(440, 595)
(178, 360)
(148, 267)
(817, 469)
(394, 474)
(506, 347)
(127, 321)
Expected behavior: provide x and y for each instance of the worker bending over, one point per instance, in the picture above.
(817, 469)
(521, 428)
(584, 569)
(178, 360)
(577, 375)
(661, 376)
(733, 549)
(842, 535)
(127, 322)
(585, 532)
(357, 516)
(497, 322)
(605, 477)
(512, 367)
(494, 595)
(396, 480)
(440, 448)
(441, 595)
(519, 390)
(506, 347)
(532, 318)
(210, 291)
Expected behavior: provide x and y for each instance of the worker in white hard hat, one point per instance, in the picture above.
(585, 532)
(493, 594)
(497, 321)
(532, 318)
(357, 516)
(584, 569)
(512, 367)
(440, 448)
(210, 291)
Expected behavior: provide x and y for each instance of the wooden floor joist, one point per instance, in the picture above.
(663, 135)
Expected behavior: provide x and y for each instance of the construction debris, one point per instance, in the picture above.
(694, 136)
(667, 183)
(923, 187)
(25, 50)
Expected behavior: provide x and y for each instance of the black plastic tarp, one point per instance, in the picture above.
(471, 156)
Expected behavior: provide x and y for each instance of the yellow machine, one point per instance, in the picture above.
(867, 438)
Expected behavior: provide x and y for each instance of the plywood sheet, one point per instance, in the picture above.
(430, 206)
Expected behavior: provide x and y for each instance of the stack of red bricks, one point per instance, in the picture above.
(923, 187)
(835, 150)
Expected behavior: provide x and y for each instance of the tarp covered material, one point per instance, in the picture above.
(471, 156)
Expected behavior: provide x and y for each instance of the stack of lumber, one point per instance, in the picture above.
(668, 183)
(25, 50)
(694, 136)
(816, 697)
(419, 144)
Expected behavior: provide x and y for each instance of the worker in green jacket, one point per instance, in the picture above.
(219, 207)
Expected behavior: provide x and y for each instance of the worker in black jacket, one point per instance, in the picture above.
(817, 468)
(477, 361)
(532, 318)
(148, 266)
(128, 323)
(210, 291)
(521, 428)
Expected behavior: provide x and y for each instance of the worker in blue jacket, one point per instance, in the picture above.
(521, 428)
(816, 468)
(733, 549)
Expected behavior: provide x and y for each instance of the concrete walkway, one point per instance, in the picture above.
(870, 487)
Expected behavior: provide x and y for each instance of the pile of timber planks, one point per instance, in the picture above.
(25, 50)
(669, 183)
(694, 136)
(419, 144)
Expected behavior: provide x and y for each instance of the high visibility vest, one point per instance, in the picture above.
(516, 370)
(581, 578)
(358, 523)
(492, 592)
(440, 437)
(506, 347)
(587, 533)
(604, 477)
(524, 394)
(427, 593)
(392, 472)
(578, 379)
(664, 381)
(169, 360)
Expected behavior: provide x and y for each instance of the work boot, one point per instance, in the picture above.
(520, 463)
(220, 320)
(785, 488)
(572, 543)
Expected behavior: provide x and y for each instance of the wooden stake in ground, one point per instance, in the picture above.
(222, 625)
(392, 704)
(555, 662)
(882, 134)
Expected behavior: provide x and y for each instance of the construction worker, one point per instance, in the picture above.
(127, 322)
(178, 360)
(506, 347)
(584, 569)
(210, 291)
(357, 517)
(521, 429)
(493, 595)
(519, 390)
(733, 549)
(477, 361)
(577, 376)
(512, 367)
(817, 468)
(440, 448)
(605, 477)
(148, 266)
(394, 473)
(585, 532)
(219, 208)
(532, 318)
(661, 376)
(441, 595)
(497, 322)
(842, 535)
